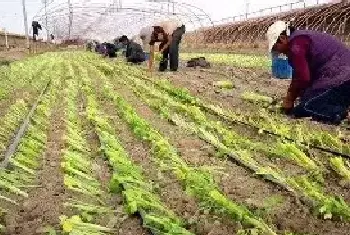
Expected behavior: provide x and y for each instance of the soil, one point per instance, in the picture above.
(12, 55)
(44, 205)
(200, 83)
(237, 183)
(119, 220)
(169, 189)
(278, 208)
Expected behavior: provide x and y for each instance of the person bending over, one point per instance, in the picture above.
(321, 72)
(169, 35)
(134, 51)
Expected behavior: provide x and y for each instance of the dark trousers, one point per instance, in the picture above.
(171, 54)
(329, 106)
(111, 54)
(135, 59)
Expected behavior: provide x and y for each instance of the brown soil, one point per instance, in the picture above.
(119, 220)
(12, 55)
(44, 205)
(238, 184)
(170, 190)
(200, 84)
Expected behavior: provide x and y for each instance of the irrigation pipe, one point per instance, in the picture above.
(13, 146)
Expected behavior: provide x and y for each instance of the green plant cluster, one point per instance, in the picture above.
(257, 98)
(79, 176)
(127, 178)
(239, 60)
(11, 122)
(20, 173)
(233, 144)
(26, 75)
(197, 182)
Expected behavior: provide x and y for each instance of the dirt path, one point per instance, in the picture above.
(12, 55)
(44, 205)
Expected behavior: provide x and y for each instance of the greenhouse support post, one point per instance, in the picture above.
(25, 23)
(6, 39)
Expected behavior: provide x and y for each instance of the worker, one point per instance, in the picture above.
(89, 46)
(321, 72)
(134, 52)
(168, 34)
(110, 50)
(97, 47)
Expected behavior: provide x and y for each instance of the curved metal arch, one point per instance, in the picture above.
(98, 13)
(136, 13)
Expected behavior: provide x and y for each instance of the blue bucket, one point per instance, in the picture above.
(281, 68)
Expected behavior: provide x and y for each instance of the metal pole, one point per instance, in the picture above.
(70, 19)
(168, 7)
(247, 9)
(6, 41)
(25, 20)
(115, 5)
(47, 29)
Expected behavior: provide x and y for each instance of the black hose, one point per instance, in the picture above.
(22, 130)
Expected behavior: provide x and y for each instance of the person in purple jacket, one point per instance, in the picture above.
(321, 72)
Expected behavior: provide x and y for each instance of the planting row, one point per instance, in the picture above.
(242, 149)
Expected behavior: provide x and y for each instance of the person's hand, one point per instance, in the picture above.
(288, 104)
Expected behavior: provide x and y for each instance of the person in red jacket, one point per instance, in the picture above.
(321, 72)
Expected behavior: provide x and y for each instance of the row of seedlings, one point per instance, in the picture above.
(276, 125)
(270, 120)
(23, 76)
(16, 112)
(271, 123)
(326, 205)
(86, 203)
(20, 172)
(338, 164)
(228, 137)
(198, 182)
(10, 123)
(291, 150)
(242, 151)
(128, 179)
(263, 120)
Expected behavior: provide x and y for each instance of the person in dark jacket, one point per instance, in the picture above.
(134, 52)
(97, 47)
(89, 46)
(110, 50)
(321, 72)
